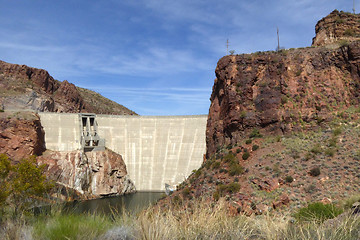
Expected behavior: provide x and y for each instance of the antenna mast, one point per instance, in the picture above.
(277, 30)
(353, 6)
(227, 46)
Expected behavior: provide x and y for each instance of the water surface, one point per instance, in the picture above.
(131, 203)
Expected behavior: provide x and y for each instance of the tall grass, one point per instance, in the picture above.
(202, 220)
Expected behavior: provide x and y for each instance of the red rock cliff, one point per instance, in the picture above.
(275, 91)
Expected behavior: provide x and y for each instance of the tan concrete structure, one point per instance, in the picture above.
(156, 149)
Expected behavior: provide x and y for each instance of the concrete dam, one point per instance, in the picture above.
(157, 150)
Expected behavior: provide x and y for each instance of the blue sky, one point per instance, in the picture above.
(156, 57)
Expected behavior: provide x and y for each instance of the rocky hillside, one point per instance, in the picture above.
(284, 127)
(26, 88)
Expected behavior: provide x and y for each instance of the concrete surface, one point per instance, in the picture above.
(156, 149)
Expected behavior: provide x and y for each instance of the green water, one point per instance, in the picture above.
(132, 203)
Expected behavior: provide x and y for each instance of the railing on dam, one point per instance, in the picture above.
(156, 149)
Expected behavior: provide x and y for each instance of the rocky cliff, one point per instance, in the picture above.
(283, 127)
(275, 91)
(27, 88)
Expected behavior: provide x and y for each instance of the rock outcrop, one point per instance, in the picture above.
(21, 135)
(92, 174)
(274, 91)
(337, 26)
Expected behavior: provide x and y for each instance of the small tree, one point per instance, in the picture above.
(28, 181)
(22, 182)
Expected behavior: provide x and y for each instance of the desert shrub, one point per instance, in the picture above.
(246, 155)
(255, 147)
(198, 173)
(332, 142)
(349, 32)
(236, 169)
(216, 195)
(317, 212)
(330, 152)
(255, 133)
(315, 171)
(248, 141)
(337, 131)
(230, 157)
(238, 150)
(2, 110)
(310, 189)
(229, 188)
(284, 99)
(343, 43)
(242, 114)
(186, 192)
(223, 170)
(289, 179)
(216, 165)
(347, 203)
(316, 149)
(176, 200)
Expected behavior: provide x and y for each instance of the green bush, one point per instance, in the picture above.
(229, 188)
(255, 147)
(289, 179)
(337, 131)
(255, 133)
(349, 32)
(198, 173)
(315, 171)
(246, 155)
(216, 165)
(236, 169)
(186, 192)
(248, 141)
(317, 212)
(330, 152)
(230, 157)
(2, 110)
(316, 149)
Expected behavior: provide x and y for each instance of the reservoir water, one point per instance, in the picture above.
(131, 203)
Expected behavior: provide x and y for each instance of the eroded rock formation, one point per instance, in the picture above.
(93, 174)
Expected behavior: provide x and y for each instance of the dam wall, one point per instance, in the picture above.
(156, 149)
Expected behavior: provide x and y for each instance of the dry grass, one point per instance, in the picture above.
(202, 220)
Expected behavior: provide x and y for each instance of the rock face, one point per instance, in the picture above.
(337, 26)
(92, 174)
(21, 135)
(274, 91)
(26, 88)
